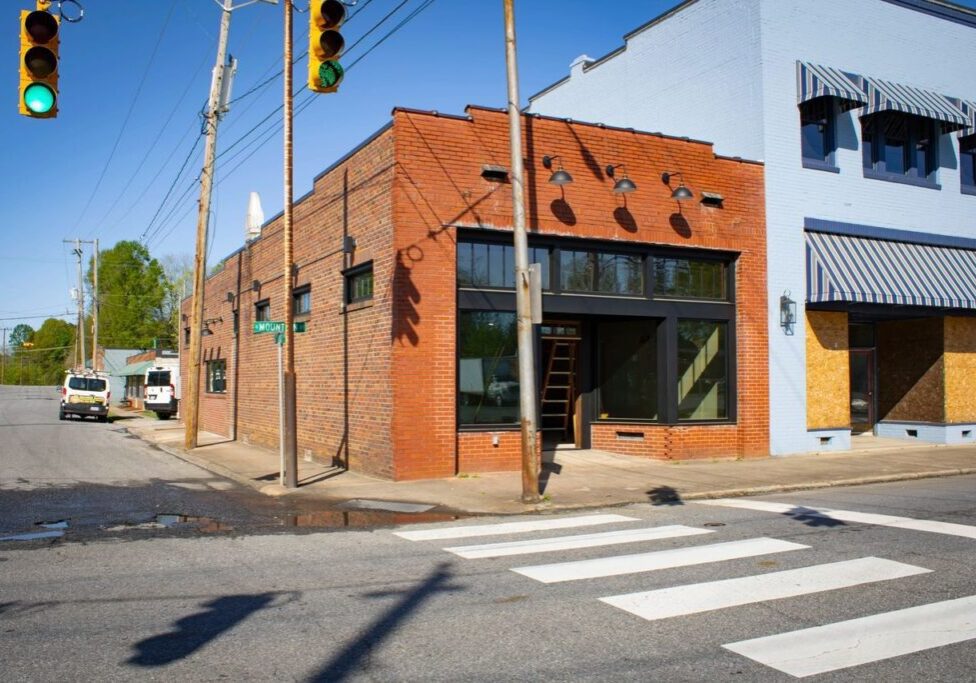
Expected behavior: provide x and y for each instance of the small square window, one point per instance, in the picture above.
(301, 301)
(262, 310)
(216, 376)
(359, 284)
(817, 129)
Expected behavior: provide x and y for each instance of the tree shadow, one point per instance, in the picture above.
(196, 630)
(813, 518)
(664, 495)
(371, 637)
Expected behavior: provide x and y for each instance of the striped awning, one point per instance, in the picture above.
(887, 96)
(815, 80)
(863, 270)
(969, 109)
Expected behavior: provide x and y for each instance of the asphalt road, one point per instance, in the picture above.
(393, 604)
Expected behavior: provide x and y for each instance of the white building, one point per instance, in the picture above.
(863, 113)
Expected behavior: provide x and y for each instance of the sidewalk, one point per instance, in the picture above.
(571, 479)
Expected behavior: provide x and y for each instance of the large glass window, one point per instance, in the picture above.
(967, 162)
(628, 370)
(682, 277)
(899, 145)
(216, 376)
(493, 264)
(591, 271)
(816, 129)
(488, 368)
(703, 370)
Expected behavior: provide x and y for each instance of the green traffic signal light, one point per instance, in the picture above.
(39, 98)
(330, 73)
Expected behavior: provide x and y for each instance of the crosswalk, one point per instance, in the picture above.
(829, 647)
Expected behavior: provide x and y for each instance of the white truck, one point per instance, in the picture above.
(162, 390)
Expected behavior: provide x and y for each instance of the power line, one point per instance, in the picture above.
(128, 115)
(144, 238)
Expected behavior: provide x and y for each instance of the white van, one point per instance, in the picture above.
(162, 391)
(85, 393)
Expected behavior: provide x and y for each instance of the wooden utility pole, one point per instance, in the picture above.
(95, 310)
(191, 396)
(523, 298)
(288, 421)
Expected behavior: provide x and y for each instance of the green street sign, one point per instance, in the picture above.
(275, 326)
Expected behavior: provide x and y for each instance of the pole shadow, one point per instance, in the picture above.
(813, 518)
(344, 664)
(664, 495)
(196, 630)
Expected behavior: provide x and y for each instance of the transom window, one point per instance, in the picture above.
(602, 273)
(689, 278)
(493, 264)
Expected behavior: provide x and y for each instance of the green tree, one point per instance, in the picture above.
(179, 275)
(53, 344)
(132, 291)
(22, 333)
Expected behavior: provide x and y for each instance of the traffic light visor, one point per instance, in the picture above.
(330, 45)
(331, 13)
(40, 62)
(39, 98)
(41, 26)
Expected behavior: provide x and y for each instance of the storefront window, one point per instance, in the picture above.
(681, 277)
(591, 271)
(488, 368)
(493, 264)
(702, 370)
(628, 370)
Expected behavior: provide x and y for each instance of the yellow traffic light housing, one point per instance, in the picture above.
(325, 45)
(39, 43)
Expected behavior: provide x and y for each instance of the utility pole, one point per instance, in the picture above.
(3, 356)
(523, 298)
(95, 310)
(81, 304)
(289, 420)
(216, 107)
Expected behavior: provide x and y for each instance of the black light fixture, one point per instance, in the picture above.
(560, 176)
(230, 297)
(255, 285)
(206, 331)
(681, 192)
(624, 185)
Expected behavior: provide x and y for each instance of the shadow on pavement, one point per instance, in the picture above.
(664, 495)
(345, 662)
(196, 630)
(813, 518)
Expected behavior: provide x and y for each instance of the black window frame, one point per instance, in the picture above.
(590, 305)
(876, 137)
(351, 278)
(967, 160)
(298, 295)
(262, 310)
(212, 377)
(820, 112)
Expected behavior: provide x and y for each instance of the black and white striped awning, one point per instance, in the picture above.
(816, 80)
(887, 96)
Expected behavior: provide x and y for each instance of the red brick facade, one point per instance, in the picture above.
(377, 382)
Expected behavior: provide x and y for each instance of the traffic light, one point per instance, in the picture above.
(38, 64)
(325, 45)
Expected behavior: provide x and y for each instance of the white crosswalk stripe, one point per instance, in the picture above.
(504, 528)
(704, 597)
(931, 526)
(660, 559)
(546, 545)
(861, 641)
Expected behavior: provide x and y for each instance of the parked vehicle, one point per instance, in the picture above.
(85, 393)
(162, 391)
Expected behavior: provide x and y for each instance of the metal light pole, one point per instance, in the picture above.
(523, 298)
(288, 420)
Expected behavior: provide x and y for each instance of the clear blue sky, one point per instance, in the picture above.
(143, 69)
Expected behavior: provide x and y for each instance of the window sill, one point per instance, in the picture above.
(358, 306)
(500, 427)
(818, 165)
(969, 189)
(902, 179)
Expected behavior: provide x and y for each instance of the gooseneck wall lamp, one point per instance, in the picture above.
(623, 185)
(206, 331)
(681, 192)
(560, 176)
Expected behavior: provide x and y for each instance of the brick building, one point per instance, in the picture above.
(654, 339)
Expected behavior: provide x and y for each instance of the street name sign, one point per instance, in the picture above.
(275, 326)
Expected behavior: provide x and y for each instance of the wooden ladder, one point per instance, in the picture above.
(558, 387)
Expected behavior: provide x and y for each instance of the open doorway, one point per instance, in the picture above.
(560, 395)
